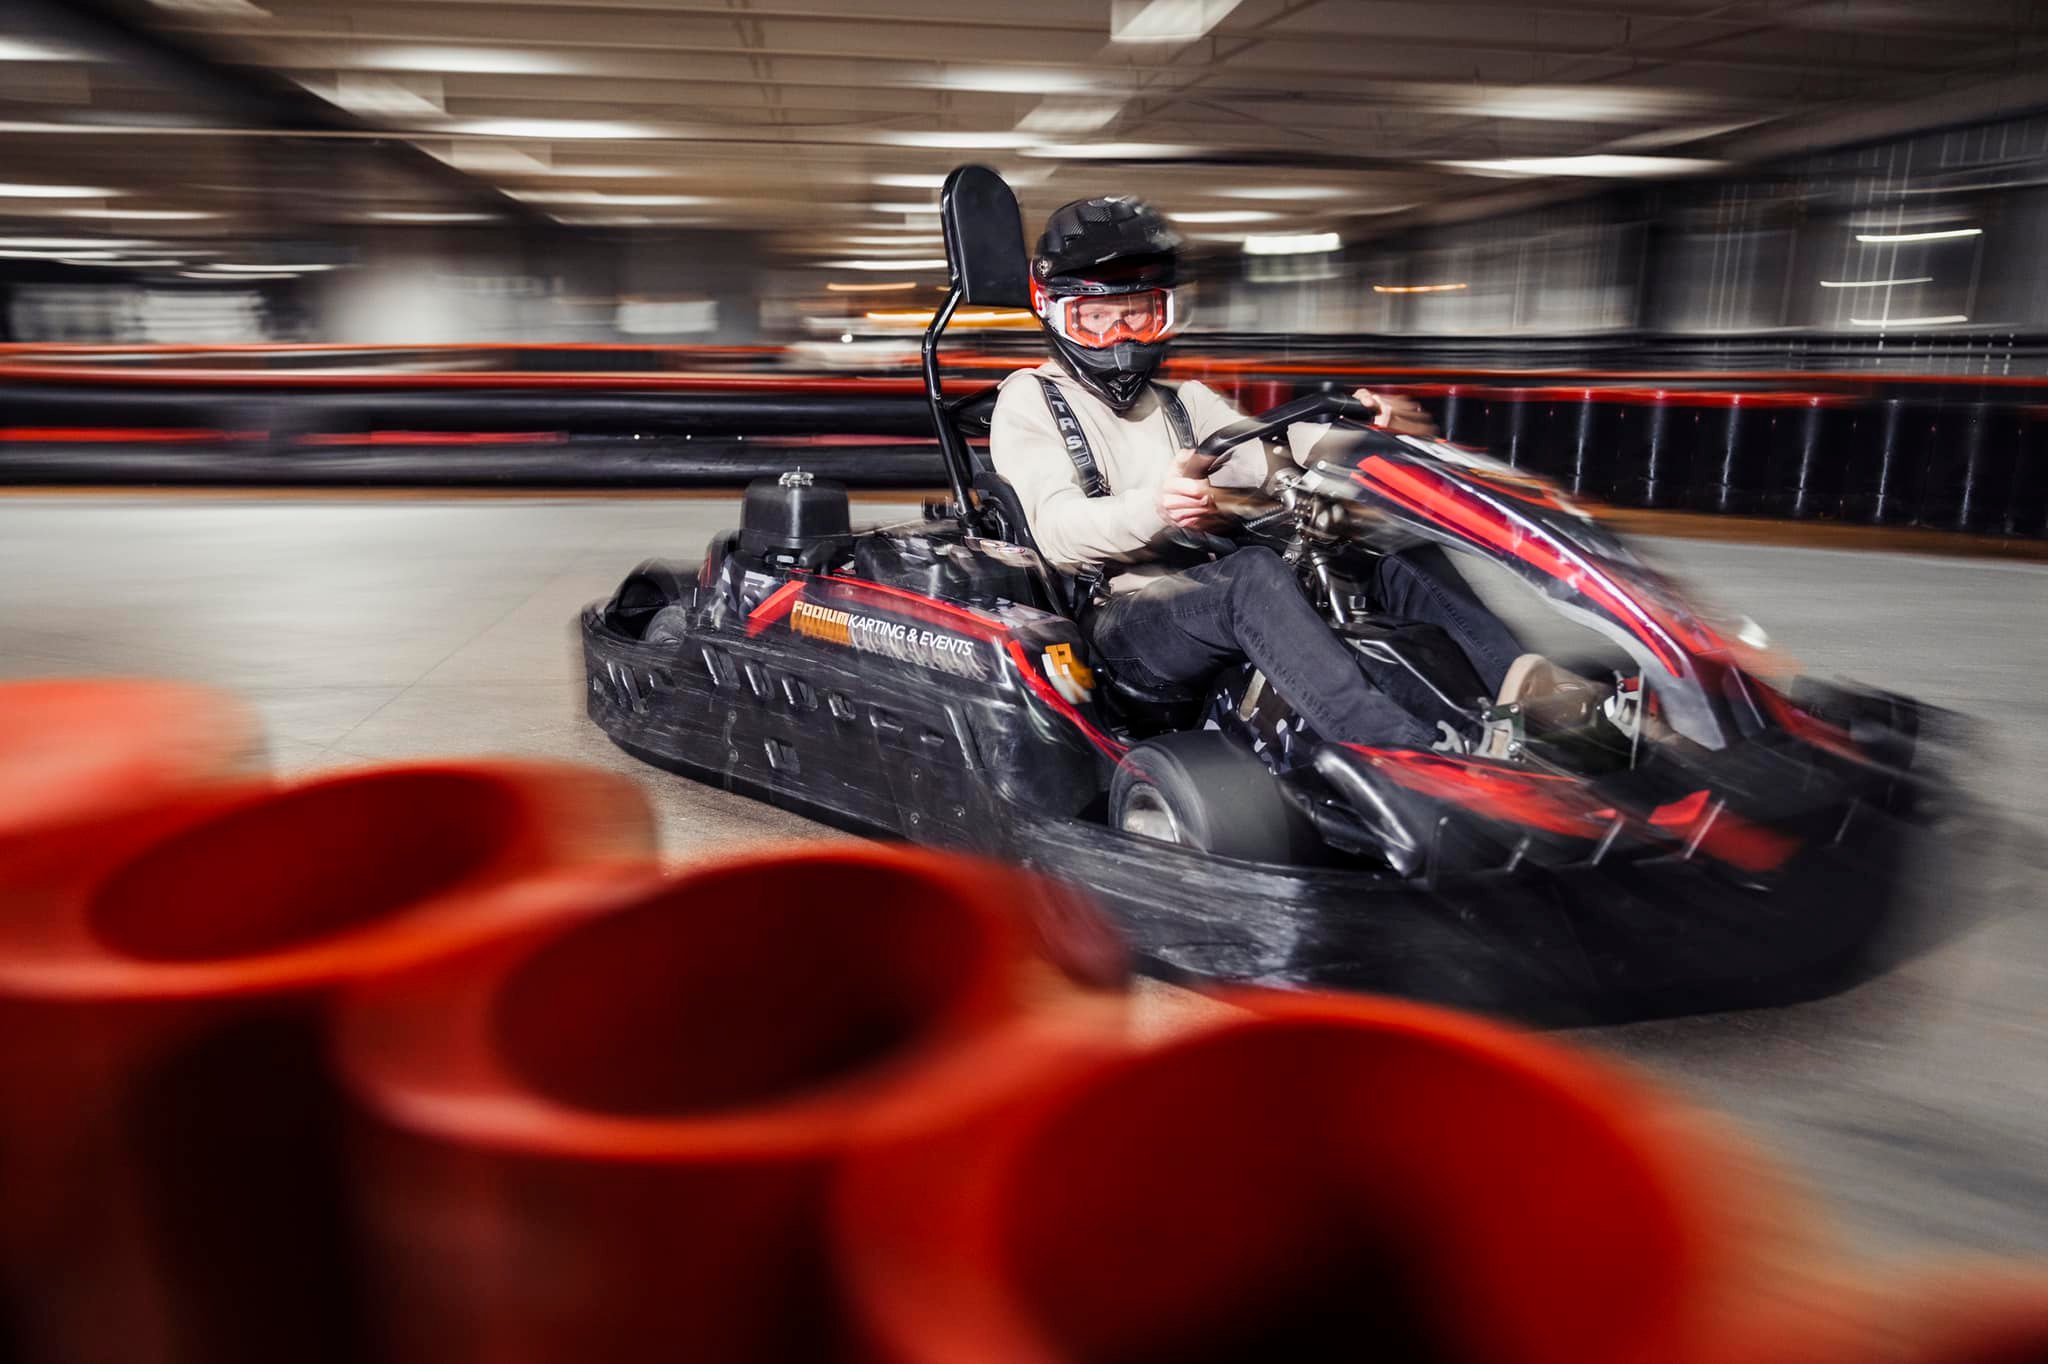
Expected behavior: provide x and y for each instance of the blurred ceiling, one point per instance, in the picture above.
(830, 122)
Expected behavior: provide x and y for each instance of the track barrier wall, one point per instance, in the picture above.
(1947, 452)
(435, 1061)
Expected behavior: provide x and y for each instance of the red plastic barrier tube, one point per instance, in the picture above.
(613, 1141)
(80, 758)
(169, 1129)
(1330, 1178)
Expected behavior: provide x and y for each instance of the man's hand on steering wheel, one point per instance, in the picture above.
(1187, 501)
(1397, 413)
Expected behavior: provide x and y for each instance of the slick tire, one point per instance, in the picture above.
(1202, 791)
(670, 625)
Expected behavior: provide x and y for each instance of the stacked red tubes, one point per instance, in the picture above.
(435, 1062)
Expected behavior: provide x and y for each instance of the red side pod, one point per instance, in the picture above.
(1512, 795)
(168, 1129)
(1424, 495)
(1392, 1180)
(613, 1140)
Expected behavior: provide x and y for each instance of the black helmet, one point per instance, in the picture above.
(1095, 248)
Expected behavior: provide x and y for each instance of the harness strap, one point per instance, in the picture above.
(1075, 437)
(1093, 484)
(1176, 417)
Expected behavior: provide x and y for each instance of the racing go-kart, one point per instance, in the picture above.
(1690, 836)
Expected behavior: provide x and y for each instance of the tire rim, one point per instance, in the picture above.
(1147, 815)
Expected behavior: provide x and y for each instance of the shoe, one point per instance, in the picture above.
(1551, 698)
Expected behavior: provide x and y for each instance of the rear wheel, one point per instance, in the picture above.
(1200, 790)
(671, 625)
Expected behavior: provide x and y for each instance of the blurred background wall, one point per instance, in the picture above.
(445, 171)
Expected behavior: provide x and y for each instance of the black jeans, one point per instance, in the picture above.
(1179, 630)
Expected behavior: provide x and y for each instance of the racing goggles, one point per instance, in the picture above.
(1099, 321)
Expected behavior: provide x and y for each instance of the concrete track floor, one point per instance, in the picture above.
(378, 628)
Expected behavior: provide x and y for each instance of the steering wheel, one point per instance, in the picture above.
(1209, 455)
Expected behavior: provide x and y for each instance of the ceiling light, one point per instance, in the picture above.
(400, 216)
(959, 141)
(1112, 151)
(227, 268)
(56, 192)
(139, 215)
(1599, 165)
(928, 209)
(29, 50)
(607, 172)
(1225, 215)
(880, 249)
(604, 198)
(237, 9)
(1296, 192)
(381, 97)
(1291, 243)
(919, 243)
(925, 315)
(1945, 235)
(473, 61)
(494, 159)
(1067, 116)
(63, 244)
(935, 264)
(544, 129)
(30, 254)
(1417, 288)
(1165, 21)
(1561, 103)
(893, 287)
(1873, 283)
(236, 279)
(926, 222)
(1944, 320)
(911, 181)
(1019, 80)
(636, 220)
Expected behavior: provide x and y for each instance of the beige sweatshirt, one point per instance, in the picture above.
(1135, 451)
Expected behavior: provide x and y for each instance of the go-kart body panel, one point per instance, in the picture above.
(1720, 877)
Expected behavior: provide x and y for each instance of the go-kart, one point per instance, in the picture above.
(1686, 835)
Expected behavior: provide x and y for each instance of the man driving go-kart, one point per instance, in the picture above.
(1102, 459)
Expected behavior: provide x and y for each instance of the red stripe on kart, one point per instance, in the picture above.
(774, 607)
(1726, 837)
(1805, 727)
(985, 628)
(1750, 847)
(928, 608)
(1682, 813)
(1421, 493)
(1536, 800)
(1047, 693)
(1541, 800)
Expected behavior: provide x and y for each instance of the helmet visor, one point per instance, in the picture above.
(1099, 321)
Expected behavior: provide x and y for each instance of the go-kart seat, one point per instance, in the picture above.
(1150, 709)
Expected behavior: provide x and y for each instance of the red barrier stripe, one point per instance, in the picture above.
(507, 379)
(120, 435)
(435, 438)
(1188, 366)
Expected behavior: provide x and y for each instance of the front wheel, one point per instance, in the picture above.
(1202, 791)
